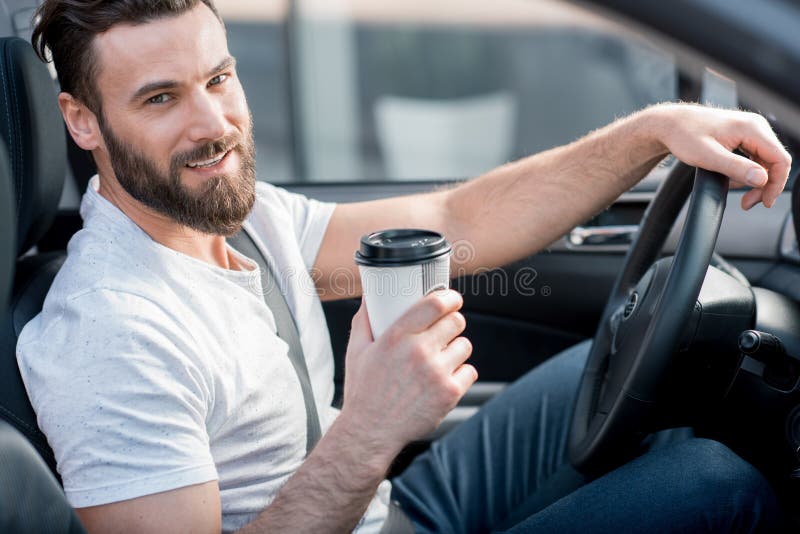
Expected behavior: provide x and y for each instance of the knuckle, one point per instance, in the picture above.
(732, 166)
(451, 390)
(761, 120)
(474, 373)
(438, 305)
(393, 335)
(741, 119)
(759, 125)
(418, 352)
(466, 345)
(741, 123)
(458, 320)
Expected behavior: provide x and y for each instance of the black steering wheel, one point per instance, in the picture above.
(643, 321)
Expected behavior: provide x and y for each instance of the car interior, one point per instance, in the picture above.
(716, 349)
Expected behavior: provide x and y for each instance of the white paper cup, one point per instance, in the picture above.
(399, 267)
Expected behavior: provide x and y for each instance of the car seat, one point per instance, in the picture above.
(33, 131)
(31, 500)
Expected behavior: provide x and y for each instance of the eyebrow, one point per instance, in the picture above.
(162, 85)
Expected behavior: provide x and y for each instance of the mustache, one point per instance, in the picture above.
(206, 151)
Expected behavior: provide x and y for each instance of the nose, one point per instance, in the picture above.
(207, 120)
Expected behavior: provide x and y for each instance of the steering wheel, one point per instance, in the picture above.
(643, 321)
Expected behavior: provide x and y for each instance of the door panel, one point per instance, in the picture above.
(504, 348)
(522, 314)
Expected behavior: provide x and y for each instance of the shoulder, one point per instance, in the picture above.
(99, 311)
(266, 192)
(104, 339)
(272, 199)
(108, 329)
(106, 271)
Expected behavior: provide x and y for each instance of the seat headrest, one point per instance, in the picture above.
(8, 234)
(32, 128)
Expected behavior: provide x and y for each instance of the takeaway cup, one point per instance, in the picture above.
(398, 267)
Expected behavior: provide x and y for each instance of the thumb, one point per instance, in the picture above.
(360, 331)
(739, 169)
(754, 174)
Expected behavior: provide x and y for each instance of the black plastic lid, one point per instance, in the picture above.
(401, 247)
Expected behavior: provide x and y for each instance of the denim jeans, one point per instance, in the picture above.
(506, 470)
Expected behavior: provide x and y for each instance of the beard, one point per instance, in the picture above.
(219, 207)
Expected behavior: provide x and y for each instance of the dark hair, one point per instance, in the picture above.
(68, 28)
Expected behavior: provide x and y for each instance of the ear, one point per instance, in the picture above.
(81, 122)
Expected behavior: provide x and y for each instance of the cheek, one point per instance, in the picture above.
(237, 104)
(159, 140)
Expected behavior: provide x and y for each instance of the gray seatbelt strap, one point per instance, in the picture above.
(396, 522)
(287, 330)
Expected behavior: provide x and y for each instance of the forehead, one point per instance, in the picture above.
(176, 48)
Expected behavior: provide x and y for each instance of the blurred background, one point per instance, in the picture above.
(373, 90)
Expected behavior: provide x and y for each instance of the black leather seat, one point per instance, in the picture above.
(32, 128)
(31, 500)
(8, 234)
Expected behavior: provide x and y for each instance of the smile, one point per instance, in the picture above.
(207, 163)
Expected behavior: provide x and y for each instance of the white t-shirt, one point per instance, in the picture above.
(150, 370)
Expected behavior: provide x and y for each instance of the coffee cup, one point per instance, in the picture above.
(398, 267)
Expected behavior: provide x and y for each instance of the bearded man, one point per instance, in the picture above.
(168, 399)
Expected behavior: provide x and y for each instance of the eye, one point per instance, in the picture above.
(162, 98)
(218, 79)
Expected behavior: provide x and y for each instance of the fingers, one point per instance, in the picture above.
(465, 376)
(778, 176)
(768, 179)
(751, 198)
(708, 143)
(428, 310)
(445, 329)
(456, 353)
(738, 168)
(761, 143)
(360, 331)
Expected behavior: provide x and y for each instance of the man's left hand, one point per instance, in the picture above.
(706, 137)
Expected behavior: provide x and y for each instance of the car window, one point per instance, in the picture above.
(374, 90)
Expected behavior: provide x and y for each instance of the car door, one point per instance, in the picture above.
(360, 100)
(389, 101)
(417, 96)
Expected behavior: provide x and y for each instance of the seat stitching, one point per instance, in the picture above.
(40, 268)
(35, 435)
(7, 110)
(12, 148)
(17, 116)
(16, 418)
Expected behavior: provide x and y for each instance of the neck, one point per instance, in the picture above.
(163, 230)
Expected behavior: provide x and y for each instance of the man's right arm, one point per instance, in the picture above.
(329, 493)
(397, 388)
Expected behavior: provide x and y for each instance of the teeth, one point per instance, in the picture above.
(206, 163)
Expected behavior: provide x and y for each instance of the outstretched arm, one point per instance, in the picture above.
(519, 208)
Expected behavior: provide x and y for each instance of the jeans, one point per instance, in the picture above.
(506, 470)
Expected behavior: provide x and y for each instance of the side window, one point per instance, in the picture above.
(257, 38)
(374, 90)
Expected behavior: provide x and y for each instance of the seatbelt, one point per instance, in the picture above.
(287, 330)
(397, 521)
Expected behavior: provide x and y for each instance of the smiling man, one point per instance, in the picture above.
(170, 402)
